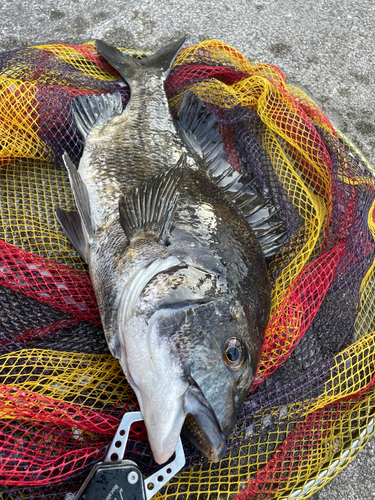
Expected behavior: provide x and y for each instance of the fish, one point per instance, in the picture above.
(164, 224)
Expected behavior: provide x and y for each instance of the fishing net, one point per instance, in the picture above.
(62, 395)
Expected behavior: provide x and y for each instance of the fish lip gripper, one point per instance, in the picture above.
(118, 479)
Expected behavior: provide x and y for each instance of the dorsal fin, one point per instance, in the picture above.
(200, 129)
(126, 65)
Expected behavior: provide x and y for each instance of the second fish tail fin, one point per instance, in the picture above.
(126, 65)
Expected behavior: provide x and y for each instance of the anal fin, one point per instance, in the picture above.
(89, 111)
(71, 223)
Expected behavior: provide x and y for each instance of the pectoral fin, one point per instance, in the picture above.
(150, 207)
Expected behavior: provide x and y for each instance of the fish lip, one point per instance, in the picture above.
(196, 405)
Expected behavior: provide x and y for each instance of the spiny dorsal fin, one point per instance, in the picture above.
(150, 207)
(81, 197)
(126, 65)
(200, 129)
(89, 111)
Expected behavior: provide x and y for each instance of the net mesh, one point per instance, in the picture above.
(62, 395)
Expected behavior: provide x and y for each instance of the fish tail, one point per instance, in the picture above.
(127, 65)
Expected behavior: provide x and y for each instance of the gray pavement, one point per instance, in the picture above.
(325, 47)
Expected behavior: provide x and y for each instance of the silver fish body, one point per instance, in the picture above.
(183, 295)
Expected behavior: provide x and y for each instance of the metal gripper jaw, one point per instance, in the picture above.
(118, 479)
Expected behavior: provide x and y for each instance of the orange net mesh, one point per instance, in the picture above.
(61, 394)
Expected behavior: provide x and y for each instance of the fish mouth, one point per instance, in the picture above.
(189, 414)
(201, 427)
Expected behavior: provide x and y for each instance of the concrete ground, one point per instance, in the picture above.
(325, 47)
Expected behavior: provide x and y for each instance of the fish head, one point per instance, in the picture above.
(220, 360)
(190, 355)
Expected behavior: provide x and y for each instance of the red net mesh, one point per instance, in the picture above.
(50, 282)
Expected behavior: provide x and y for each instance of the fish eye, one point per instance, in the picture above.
(234, 353)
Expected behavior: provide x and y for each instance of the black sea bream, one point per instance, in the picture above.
(180, 277)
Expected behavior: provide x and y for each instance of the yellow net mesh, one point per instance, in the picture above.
(25, 185)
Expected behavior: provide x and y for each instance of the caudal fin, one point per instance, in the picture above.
(126, 65)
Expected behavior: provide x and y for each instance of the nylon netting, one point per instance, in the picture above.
(61, 393)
